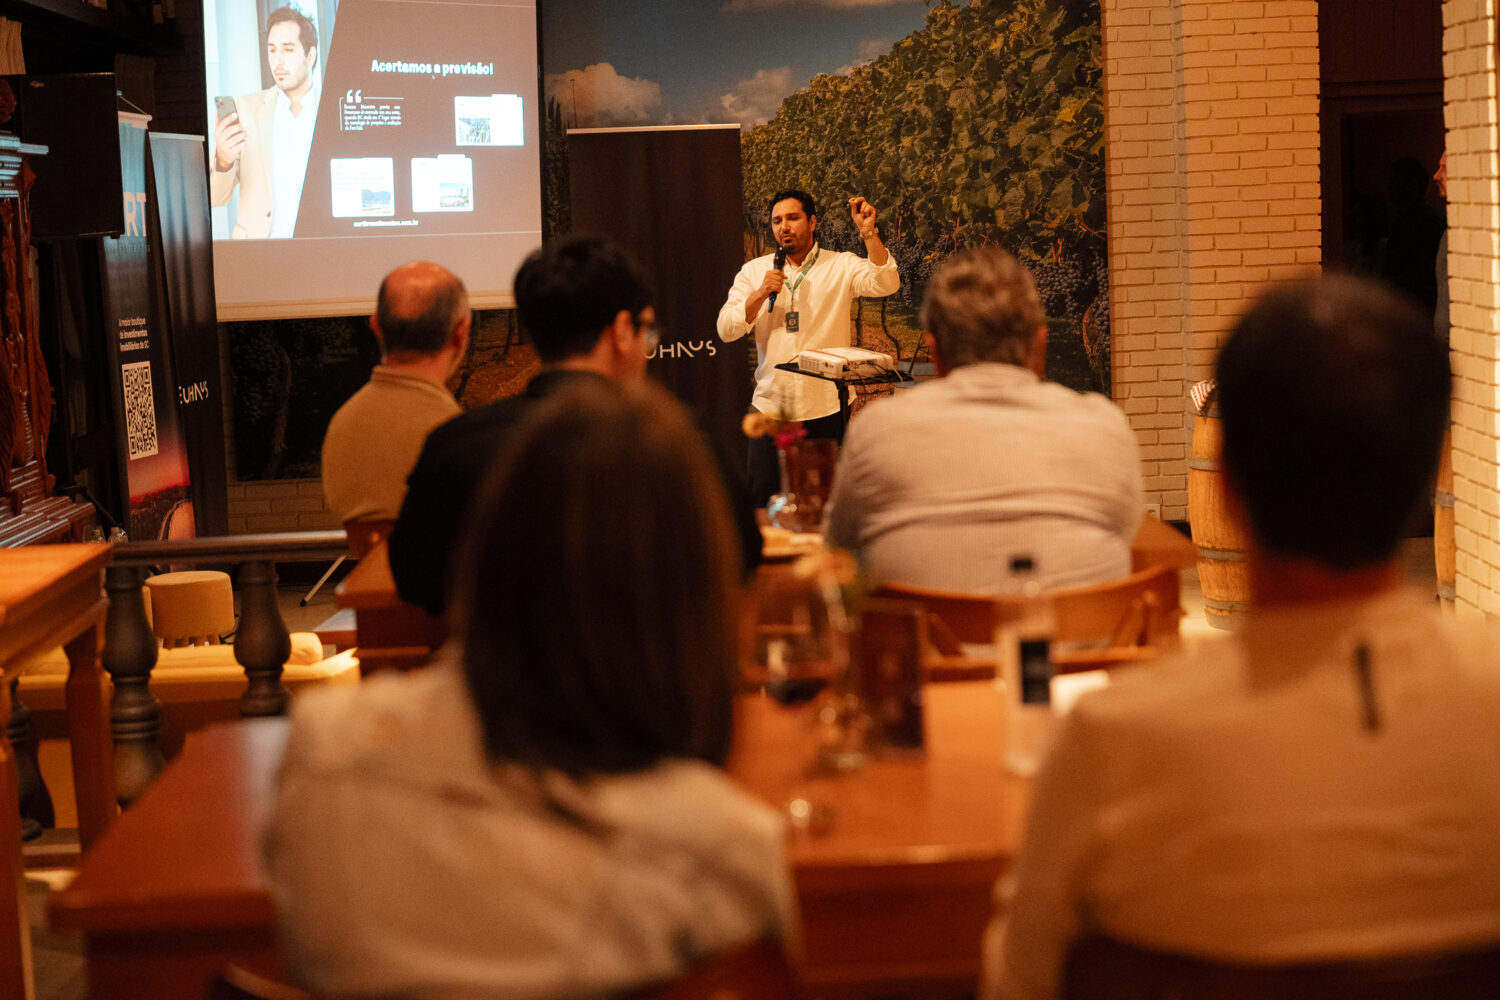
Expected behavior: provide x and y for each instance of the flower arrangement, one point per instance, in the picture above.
(757, 424)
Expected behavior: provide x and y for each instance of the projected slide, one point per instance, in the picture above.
(348, 136)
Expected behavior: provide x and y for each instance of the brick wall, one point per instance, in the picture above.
(267, 504)
(1212, 170)
(1474, 276)
(279, 505)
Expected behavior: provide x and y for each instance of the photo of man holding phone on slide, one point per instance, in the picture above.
(262, 139)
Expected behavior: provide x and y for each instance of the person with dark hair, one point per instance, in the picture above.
(1416, 230)
(942, 485)
(262, 145)
(542, 812)
(422, 322)
(1324, 784)
(587, 311)
(794, 300)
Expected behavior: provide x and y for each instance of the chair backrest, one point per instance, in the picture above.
(1127, 620)
(239, 983)
(366, 533)
(757, 971)
(1142, 609)
(952, 617)
(1102, 968)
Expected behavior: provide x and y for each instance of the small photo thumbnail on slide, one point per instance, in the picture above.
(363, 186)
(442, 183)
(491, 120)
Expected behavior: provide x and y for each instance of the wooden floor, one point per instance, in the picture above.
(58, 958)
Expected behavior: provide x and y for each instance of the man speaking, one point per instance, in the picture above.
(794, 300)
(262, 141)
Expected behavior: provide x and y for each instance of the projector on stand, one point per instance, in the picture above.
(845, 363)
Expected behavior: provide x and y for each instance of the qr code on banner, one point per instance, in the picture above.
(140, 409)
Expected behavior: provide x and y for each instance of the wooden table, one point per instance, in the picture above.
(897, 891)
(175, 888)
(51, 595)
(389, 632)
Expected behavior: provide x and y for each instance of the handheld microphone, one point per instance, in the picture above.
(777, 263)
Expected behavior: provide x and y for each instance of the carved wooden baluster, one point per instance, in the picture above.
(36, 803)
(261, 643)
(134, 712)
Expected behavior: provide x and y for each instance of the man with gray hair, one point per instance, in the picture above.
(422, 322)
(942, 485)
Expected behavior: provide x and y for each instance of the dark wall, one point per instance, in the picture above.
(179, 76)
(1382, 101)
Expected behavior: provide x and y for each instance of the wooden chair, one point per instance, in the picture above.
(757, 971)
(338, 630)
(1123, 621)
(1137, 618)
(1102, 968)
(953, 619)
(238, 983)
(364, 535)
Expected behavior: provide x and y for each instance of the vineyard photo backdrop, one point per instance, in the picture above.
(983, 125)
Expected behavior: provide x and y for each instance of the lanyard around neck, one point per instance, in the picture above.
(792, 288)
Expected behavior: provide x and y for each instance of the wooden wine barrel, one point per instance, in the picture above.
(1444, 549)
(1222, 571)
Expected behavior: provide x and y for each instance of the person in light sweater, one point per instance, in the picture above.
(942, 485)
(422, 322)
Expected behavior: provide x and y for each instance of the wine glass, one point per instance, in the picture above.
(802, 656)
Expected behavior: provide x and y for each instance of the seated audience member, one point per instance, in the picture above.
(542, 813)
(422, 322)
(1324, 784)
(587, 311)
(941, 485)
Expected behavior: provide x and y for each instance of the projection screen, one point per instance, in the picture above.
(348, 136)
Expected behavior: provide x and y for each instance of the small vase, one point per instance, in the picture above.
(781, 508)
(807, 468)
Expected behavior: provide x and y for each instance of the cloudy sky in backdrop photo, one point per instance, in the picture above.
(685, 62)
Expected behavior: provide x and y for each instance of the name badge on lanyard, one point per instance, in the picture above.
(793, 318)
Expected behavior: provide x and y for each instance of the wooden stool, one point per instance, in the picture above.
(191, 607)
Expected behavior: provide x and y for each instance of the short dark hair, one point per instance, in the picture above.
(982, 305)
(1334, 397)
(809, 206)
(426, 332)
(304, 25)
(600, 622)
(568, 292)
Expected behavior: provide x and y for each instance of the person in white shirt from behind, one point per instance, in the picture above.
(542, 813)
(942, 485)
(1322, 785)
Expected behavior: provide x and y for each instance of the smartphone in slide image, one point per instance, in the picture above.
(224, 107)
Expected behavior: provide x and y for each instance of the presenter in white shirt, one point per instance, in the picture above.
(798, 299)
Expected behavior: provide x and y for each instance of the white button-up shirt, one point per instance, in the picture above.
(291, 142)
(821, 302)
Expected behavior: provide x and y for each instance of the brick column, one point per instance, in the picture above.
(1469, 112)
(1212, 153)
